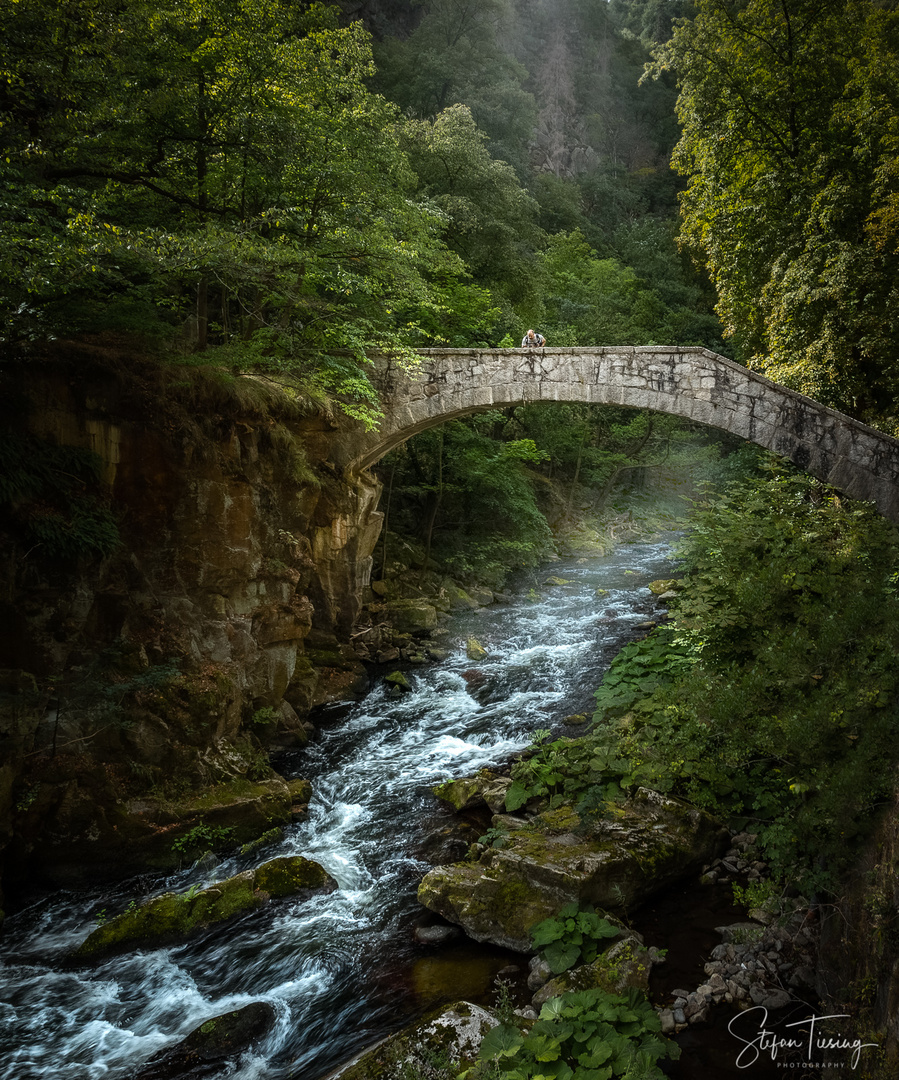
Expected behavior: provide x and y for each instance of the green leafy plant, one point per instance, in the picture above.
(589, 770)
(591, 1035)
(204, 837)
(574, 935)
(494, 837)
(771, 694)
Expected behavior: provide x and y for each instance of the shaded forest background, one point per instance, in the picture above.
(238, 191)
(277, 190)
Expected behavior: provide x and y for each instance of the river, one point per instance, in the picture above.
(343, 969)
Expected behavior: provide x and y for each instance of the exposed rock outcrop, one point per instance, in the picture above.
(555, 858)
(451, 1034)
(208, 1046)
(137, 681)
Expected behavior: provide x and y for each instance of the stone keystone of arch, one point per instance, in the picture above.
(691, 382)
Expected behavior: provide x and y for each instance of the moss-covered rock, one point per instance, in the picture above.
(475, 650)
(625, 964)
(398, 679)
(273, 836)
(663, 585)
(615, 862)
(214, 1041)
(450, 1035)
(473, 791)
(411, 616)
(300, 791)
(293, 876)
(174, 917)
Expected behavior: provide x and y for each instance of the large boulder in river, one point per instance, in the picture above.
(485, 787)
(205, 1050)
(452, 1034)
(414, 617)
(174, 917)
(614, 862)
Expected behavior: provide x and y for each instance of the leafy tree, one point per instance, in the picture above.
(489, 218)
(772, 693)
(467, 496)
(216, 162)
(456, 56)
(592, 301)
(787, 111)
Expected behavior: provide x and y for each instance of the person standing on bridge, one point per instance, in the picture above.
(532, 340)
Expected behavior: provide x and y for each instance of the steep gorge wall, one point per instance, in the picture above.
(135, 684)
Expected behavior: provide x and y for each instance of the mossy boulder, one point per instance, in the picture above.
(214, 1041)
(414, 617)
(293, 875)
(397, 680)
(474, 650)
(174, 917)
(300, 791)
(457, 598)
(663, 585)
(473, 791)
(614, 862)
(451, 1033)
(625, 964)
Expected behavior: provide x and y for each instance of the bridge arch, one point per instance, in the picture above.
(690, 382)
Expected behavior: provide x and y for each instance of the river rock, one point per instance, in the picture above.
(485, 787)
(411, 616)
(399, 680)
(173, 917)
(435, 935)
(210, 1044)
(663, 585)
(475, 650)
(453, 1033)
(625, 964)
(556, 858)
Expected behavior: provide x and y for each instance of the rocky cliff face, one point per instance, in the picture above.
(135, 684)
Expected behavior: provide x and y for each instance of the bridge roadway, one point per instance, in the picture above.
(690, 382)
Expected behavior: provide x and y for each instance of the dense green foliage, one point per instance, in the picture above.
(573, 936)
(218, 177)
(210, 173)
(772, 696)
(479, 492)
(789, 142)
(591, 1035)
(52, 499)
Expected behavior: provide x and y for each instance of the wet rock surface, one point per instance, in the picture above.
(203, 1052)
(554, 858)
(452, 1034)
(174, 917)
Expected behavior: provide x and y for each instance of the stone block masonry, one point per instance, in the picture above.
(693, 383)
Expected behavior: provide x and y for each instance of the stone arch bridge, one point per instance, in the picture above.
(690, 382)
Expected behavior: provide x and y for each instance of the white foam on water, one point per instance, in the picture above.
(311, 959)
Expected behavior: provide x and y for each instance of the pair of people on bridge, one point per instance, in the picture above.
(532, 340)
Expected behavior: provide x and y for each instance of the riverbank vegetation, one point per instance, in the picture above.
(769, 695)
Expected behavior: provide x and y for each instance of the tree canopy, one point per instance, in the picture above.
(788, 113)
